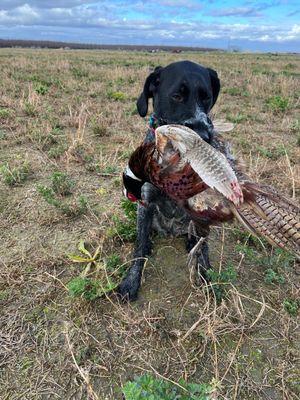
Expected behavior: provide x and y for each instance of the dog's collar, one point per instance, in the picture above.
(155, 122)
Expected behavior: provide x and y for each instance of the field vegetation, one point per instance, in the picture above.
(68, 123)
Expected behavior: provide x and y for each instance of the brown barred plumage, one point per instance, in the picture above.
(272, 216)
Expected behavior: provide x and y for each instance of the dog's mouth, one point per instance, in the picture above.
(201, 124)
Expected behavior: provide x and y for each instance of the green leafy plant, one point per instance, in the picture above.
(79, 73)
(97, 277)
(17, 175)
(236, 91)
(98, 129)
(278, 103)
(30, 108)
(76, 207)
(219, 281)
(4, 113)
(280, 259)
(237, 118)
(41, 89)
(125, 229)
(291, 306)
(246, 249)
(151, 388)
(113, 261)
(110, 170)
(272, 276)
(3, 135)
(83, 287)
(57, 151)
(273, 153)
(116, 95)
(61, 183)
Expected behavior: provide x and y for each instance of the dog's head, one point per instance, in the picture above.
(183, 93)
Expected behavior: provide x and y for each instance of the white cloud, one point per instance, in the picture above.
(73, 19)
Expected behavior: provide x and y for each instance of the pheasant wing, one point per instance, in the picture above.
(208, 163)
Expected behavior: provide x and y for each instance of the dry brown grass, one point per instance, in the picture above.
(56, 347)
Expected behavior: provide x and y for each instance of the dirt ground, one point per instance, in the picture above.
(74, 112)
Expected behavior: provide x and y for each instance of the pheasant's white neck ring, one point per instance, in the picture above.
(128, 172)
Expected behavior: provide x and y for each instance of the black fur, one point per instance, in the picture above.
(183, 92)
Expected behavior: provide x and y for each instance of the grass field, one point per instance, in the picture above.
(68, 124)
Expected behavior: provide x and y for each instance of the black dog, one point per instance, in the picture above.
(183, 93)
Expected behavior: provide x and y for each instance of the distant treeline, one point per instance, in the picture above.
(64, 45)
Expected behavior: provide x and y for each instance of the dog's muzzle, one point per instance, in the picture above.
(202, 125)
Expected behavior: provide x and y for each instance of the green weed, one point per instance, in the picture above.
(113, 261)
(29, 109)
(4, 113)
(13, 176)
(84, 287)
(290, 66)
(132, 110)
(280, 259)
(219, 281)
(151, 388)
(76, 207)
(278, 103)
(125, 229)
(116, 95)
(291, 306)
(106, 275)
(61, 183)
(273, 154)
(276, 264)
(246, 249)
(125, 154)
(4, 294)
(295, 126)
(109, 170)
(261, 70)
(79, 73)
(41, 89)
(274, 277)
(3, 135)
(57, 151)
(99, 130)
(237, 118)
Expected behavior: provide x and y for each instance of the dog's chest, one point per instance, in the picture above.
(169, 219)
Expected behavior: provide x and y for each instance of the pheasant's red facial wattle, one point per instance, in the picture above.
(131, 197)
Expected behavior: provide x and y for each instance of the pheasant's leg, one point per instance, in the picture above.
(197, 247)
(128, 289)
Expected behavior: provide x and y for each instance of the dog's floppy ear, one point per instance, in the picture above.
(215, 84)
(151, 82)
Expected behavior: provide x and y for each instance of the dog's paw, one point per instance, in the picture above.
(127, 291)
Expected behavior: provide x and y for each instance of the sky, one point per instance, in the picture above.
(270, 25)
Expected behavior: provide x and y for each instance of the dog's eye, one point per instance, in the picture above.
(177, 97)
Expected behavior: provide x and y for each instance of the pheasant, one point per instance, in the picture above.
(211, 187)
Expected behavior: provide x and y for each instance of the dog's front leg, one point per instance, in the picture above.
(128, 289)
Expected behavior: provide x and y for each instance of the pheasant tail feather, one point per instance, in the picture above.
(272, 216)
